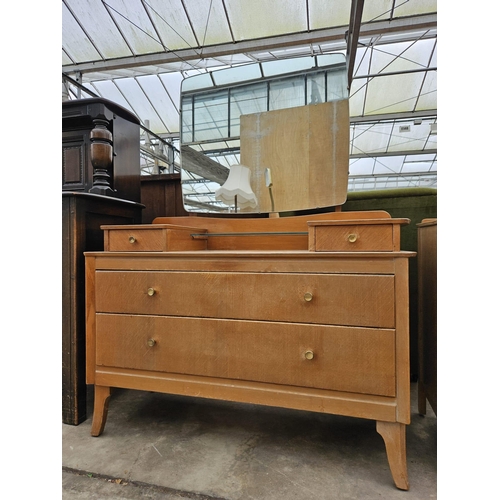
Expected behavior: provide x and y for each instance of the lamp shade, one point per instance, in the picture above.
(237, 188)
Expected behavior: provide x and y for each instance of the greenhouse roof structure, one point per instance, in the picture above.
(137, 52)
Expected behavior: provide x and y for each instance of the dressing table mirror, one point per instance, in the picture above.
(284, 123)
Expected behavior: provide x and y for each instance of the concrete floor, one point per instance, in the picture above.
(158, 446)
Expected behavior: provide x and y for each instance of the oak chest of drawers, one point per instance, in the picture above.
(293, 326)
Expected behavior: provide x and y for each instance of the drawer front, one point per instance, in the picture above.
(136, 240)
(341, 299)
(354, 238)
(360, 360)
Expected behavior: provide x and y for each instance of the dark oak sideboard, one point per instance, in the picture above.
(100, 185)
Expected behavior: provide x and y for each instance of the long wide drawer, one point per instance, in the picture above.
(360, 360)
(342, 299)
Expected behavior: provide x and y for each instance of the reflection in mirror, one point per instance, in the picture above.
(266, 137)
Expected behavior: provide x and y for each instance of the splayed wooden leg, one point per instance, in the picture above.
(101, 401)
(394, 435)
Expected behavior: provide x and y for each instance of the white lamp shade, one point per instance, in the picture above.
(237, 185)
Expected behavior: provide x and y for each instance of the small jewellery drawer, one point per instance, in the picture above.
(342, 299)
(360, 360)
(381, 235)
(151, 238)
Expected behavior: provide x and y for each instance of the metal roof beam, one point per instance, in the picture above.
(385, 154)
(353, 37)
(197, 163)
(401, 25)
(410, 115)
(393, 174)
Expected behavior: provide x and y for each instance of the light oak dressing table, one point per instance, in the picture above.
(305, 312)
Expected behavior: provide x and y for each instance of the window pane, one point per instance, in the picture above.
(294, 65)
(316, 88)
(211, 116)
(237, 74)
(195, 82)
(336, 85)
(245, 101)
(287, 93)
(187, 119)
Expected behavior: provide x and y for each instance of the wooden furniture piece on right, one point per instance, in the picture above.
(427, 314)
(306, 312)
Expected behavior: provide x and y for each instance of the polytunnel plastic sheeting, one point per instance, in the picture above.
(95, 26)
(402, 97)
(390, 79)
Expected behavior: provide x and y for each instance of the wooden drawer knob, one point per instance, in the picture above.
(131, 239)
(151, 291)
(151, 342)
(352, 238)
(308, 296)
(309, 355)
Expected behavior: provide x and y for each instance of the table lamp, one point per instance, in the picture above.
(236, 190)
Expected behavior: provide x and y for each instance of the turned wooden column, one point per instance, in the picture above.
(101, 156)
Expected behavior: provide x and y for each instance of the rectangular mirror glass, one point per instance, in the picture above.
(266, 137)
